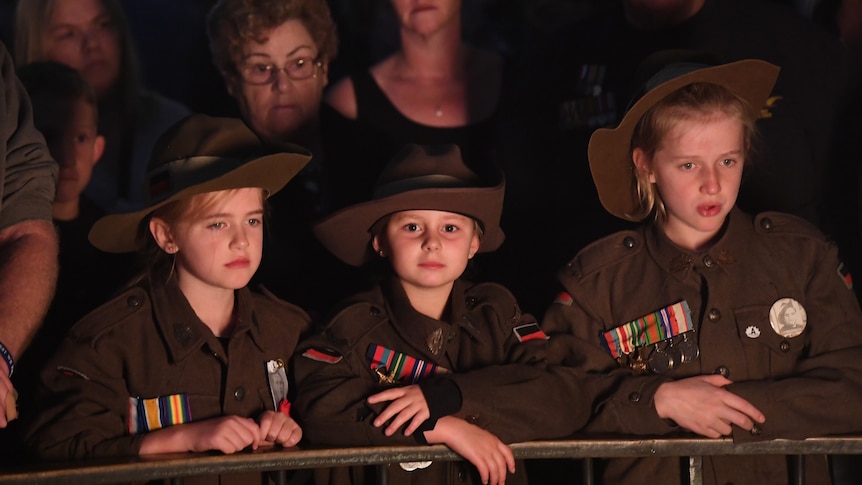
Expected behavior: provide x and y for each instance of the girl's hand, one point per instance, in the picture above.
(227, 434)
(702, 405)
(277, 427)
(491, 457)
(408, 404)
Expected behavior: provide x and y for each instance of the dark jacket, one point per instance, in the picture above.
(497, 376)
(148, 343)
(806, 385)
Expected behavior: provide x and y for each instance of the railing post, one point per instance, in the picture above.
(587, 471)
(695, 470)
(797, 464)
(383, 474)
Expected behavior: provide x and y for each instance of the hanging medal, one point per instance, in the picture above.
(648, 344)
(660, 360)
(688, 349)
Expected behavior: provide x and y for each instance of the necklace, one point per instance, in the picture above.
(439, 111)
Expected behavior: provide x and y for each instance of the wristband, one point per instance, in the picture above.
(7, 356)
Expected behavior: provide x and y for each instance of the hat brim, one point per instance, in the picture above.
(118, 233)
(347, 233)
(609, 149)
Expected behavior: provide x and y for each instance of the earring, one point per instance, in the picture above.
(380, 253)
(170, 249)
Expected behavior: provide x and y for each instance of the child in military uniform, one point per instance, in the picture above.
(425, 356)
(706, 319)
(187, 358)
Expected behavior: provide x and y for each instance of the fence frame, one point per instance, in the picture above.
(176, 466)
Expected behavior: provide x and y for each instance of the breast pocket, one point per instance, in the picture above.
(767, 353)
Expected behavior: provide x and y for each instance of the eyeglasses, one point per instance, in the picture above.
(296, 69)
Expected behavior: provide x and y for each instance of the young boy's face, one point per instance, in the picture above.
(697, 169)
(74, 143)
(427, 248)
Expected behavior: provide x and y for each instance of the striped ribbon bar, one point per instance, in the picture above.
(655, 327)
(400, 366)
(159, 412)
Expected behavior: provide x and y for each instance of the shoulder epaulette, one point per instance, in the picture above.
(112, 313)
(779, 223)
(266, 297)
(495, 295)
(603, 253)
(354, 318)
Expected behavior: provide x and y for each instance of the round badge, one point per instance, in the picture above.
(787, 317)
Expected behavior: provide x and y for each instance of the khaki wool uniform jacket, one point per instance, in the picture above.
(504, 384)
(807, 385)
(148, 343)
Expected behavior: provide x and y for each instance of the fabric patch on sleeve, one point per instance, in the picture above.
(328, 356)
(563, 298)
(530, 331)
(844, 273)
(159, 412)
(70, 372)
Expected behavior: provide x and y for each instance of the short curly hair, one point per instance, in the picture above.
(231, 24)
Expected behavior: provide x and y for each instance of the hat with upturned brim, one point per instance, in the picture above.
(200, 154)
(610, 151)
(419, 177)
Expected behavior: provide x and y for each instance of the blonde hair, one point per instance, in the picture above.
(179, 211)
(232, 24)
(696, 101)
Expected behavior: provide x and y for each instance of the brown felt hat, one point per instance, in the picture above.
(610, 151)
(419, 177)
(197, 155)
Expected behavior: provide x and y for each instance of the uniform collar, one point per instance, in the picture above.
(423, 332)
(183, 331)
(722, 254)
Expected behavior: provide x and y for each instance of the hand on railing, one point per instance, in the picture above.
(227, 434)
(408, 404)
(491, 457)
(702, 405)
(279, 428)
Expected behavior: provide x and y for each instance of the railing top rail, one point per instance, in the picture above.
(181, 465)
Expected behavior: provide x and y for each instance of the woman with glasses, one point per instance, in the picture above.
(274, 57)
(92, 37)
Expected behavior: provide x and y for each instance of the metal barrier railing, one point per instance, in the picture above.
(176, 466)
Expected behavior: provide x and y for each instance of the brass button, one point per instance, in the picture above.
(239, 393)
(766, 223)
(723, 371)
(471, 302)
(714, 315)
(755, 430)
(784, 346)
(133, 301)
(629, 242)
(708, 261)
(634, 397)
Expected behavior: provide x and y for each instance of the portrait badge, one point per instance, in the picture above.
(787, 317)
